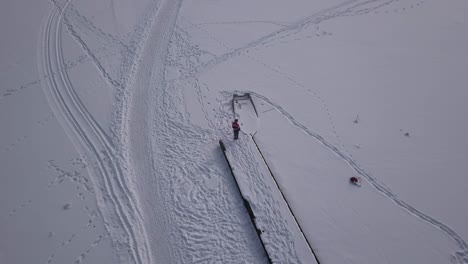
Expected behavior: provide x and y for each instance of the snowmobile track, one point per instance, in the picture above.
(92, 142)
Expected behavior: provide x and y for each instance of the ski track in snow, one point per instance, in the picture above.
(458, 257)
(115, 199)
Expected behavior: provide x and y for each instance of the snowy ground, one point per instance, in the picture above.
(111, 113)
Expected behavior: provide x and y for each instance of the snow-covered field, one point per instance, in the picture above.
(111, 112)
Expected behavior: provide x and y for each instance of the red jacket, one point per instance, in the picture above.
(235, 126)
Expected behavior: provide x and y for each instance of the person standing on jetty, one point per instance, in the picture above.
(236, 128)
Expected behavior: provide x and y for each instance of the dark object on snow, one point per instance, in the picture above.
(356, 120)
(236, 128)
(407, 134)
(354, 180)
(221, 144)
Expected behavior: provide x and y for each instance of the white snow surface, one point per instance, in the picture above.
(111, 112)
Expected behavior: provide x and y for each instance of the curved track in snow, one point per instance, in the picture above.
(116, 201)
(146, 71)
